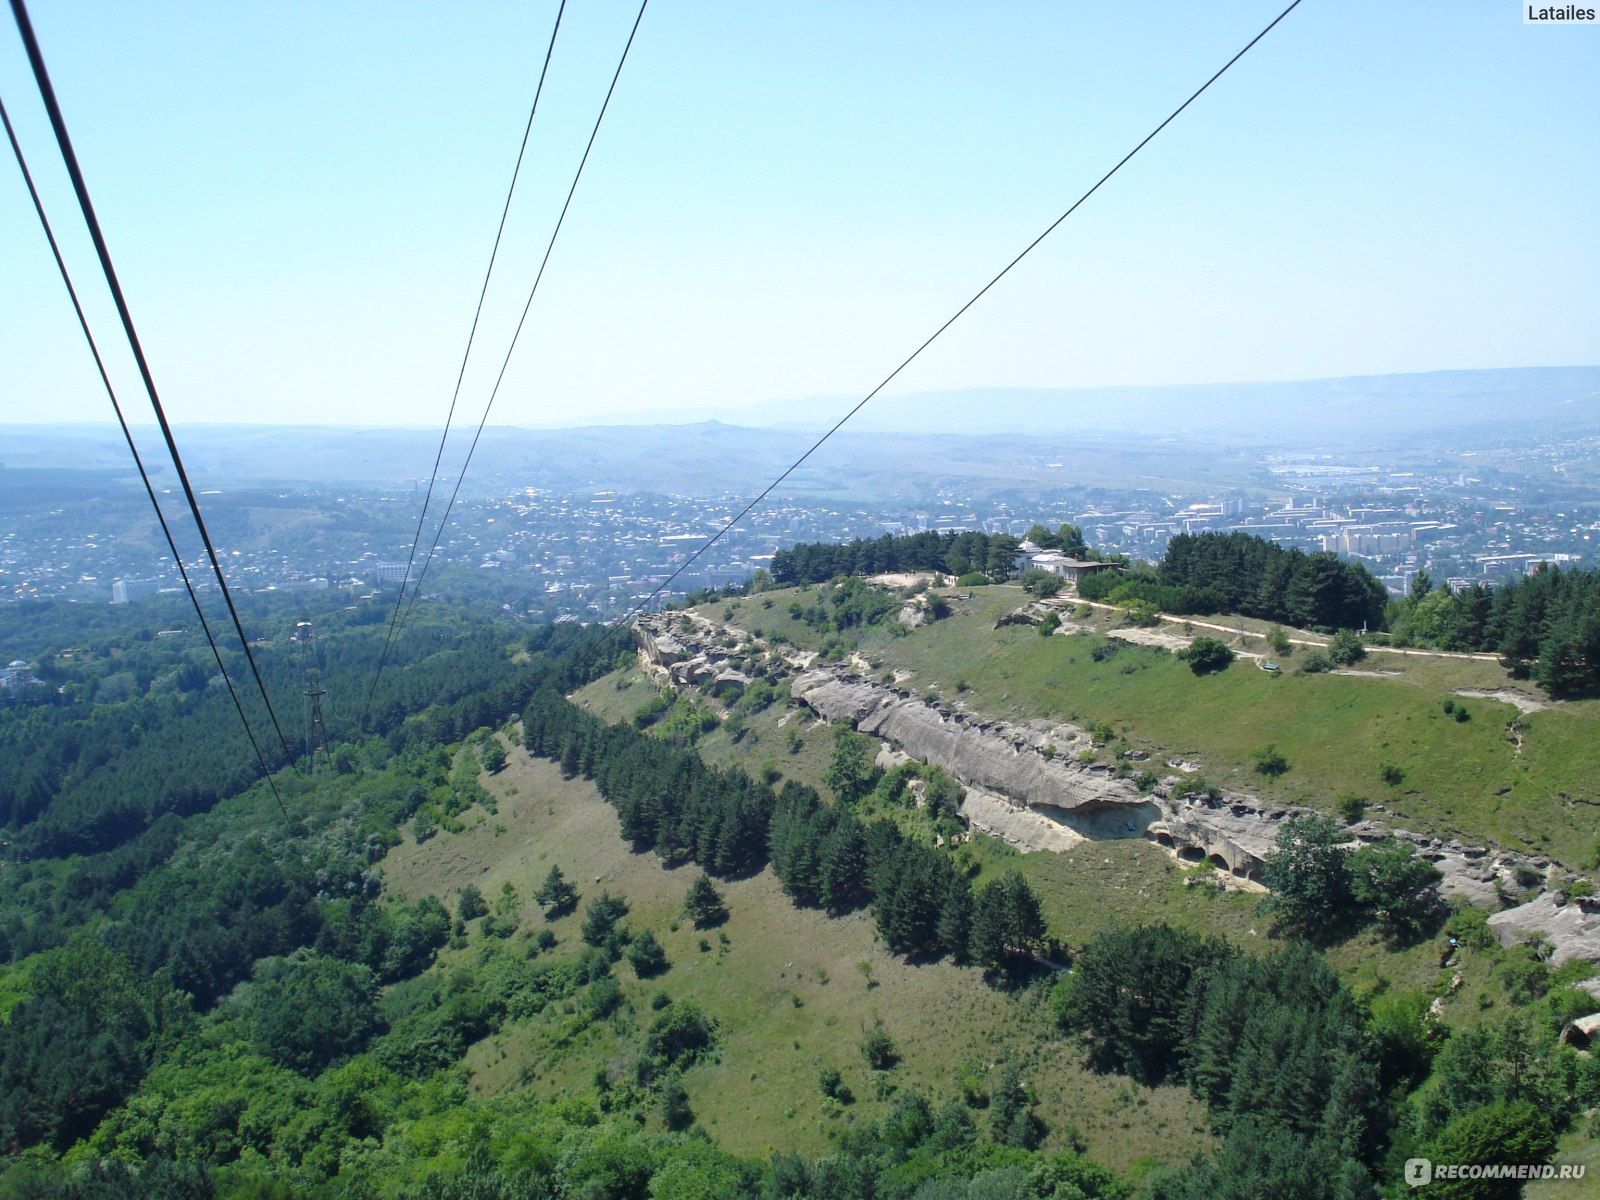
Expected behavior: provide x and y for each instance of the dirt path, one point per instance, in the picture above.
(1300, 641)
(1521, 700)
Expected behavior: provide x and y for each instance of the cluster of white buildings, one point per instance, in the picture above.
(1032, 557)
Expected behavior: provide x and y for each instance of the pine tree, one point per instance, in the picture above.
(601, 918)
(842, 867)
(571, 757)
(555, 894)
(647, 956)
(704, 905)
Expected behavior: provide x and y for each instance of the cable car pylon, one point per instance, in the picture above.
(316, 733)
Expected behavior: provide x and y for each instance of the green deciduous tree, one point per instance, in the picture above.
(308, 1012)
(470, 905)
(1308, 873)
(1399, 888)
(1207, 654)
(851, 774)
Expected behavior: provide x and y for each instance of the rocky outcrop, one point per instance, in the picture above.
(1236, 837)
(1028, 765)
(1017, 825)
(1024, 785)
(658, 646)
(1572, 927)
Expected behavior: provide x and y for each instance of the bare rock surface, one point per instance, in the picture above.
(1572, 927)
(1025, 828)
(1030, 765)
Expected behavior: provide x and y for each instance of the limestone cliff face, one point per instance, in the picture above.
(1008, 760)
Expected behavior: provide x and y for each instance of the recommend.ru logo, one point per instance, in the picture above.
(1420, 1172)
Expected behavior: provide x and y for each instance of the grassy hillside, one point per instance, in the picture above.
(793, 990)
(1526, 780)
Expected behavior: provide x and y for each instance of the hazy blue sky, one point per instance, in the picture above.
(786, 198)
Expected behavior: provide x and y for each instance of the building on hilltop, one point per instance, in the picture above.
(1031, 558)
(126, 591)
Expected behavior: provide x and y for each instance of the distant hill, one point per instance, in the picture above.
(986, 438)
(1359, 408)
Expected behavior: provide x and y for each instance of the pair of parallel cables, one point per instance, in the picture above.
(398, 618)
(69, 157)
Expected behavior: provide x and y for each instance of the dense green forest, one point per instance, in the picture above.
(1204, 573)
(203, 999)
(1545, 625)
(1214, 573)
(154, 702)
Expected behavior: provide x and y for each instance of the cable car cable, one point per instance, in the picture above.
(64, 142)
(72, 293)
(1051, 228)
(461, 374)
(555, 233)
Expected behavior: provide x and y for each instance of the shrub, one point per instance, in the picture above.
(679, 1035)
(832, 1085)
(1206, 655)
(1391, 774)
(1315, 662)
(1350, 806)
(1142, 612)
(1041, 583)
(879, 1050)
(604, 998)
(1469, 925)
(471, 905)
(1347, 649)
(646, 955)
(1269, 761)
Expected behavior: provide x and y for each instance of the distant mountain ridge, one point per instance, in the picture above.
(1316, 409)
(990, 437)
